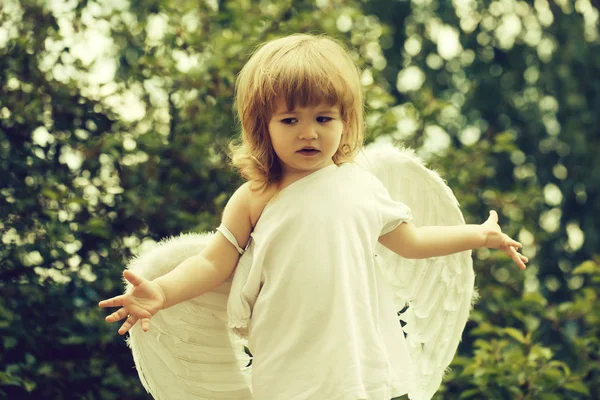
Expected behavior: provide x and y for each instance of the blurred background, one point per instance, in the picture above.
(114, 121)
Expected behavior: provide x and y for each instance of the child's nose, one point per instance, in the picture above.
(308, 132)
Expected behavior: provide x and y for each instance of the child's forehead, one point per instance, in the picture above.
(284, 105)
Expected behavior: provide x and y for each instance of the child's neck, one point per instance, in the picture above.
(290, 176)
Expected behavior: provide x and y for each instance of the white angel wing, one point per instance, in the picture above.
(438, 291)
(188, 352)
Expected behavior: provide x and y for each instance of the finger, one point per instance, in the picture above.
(117, 315)
(493, 216)
(517, 258)
(521, 256)
(508, 241)
(127, 324)
(515, 244)
(134, 279)
(145, 324)
(113, 302)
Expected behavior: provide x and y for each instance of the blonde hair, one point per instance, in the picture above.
(302, 70)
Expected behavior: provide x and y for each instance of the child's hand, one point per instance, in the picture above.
(145, 299)
(495, 239)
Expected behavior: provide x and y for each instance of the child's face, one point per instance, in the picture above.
(291, 132)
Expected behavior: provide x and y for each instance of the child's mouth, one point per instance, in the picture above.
(308, 152)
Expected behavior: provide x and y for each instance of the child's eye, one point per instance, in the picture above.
(322, 120)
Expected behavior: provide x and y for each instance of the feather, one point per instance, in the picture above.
(439, 291)
(188, 352)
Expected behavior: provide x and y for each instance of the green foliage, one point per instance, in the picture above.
(114, 120)
(533, 349)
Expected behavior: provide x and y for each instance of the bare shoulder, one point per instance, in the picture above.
(236, 216)
(258, 199)
(245, 207)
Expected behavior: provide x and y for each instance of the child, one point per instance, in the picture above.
(314, 219)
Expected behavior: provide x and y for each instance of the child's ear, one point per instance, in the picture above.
(345, 149)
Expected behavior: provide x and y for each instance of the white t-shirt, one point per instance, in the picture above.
(323, 325)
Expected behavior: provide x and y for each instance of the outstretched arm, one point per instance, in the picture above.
(410, 241)
(193, 277)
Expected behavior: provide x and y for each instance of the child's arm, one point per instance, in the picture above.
(193, 277)
(432, 241)
(210, 268)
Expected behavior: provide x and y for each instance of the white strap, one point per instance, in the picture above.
(229, 236)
